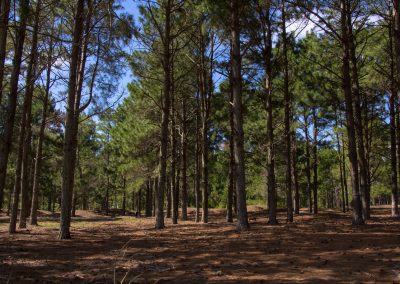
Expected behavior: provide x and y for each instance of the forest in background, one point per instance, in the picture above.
(231, 103)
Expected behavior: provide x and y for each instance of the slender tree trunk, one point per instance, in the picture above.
(206, 93)
(184, 162)
(308, 161)
(342, 180)
(288, 113)
(271, 186)
(294, 174)
(6, 139)
(70, 138)
(38, 159)
(174, 156)
(4, 16)
(350, 125)
(392, 114)
(149, 198)
(198, 167)
(236, 59)
(231, 187)
(358, 118)
(124, 196)
(139, 203)
(315, 160)
(169, 197)
(164, 118)
(30, 86)
(74, 200)
(154, 195)
(22, 132)
(396, 34)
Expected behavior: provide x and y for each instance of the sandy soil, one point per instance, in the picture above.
(314, 249)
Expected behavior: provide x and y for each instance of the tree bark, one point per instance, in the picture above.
(197, 161)
(294, 174)
(392, 114)
(231, 186)
(70, 138)
(236, 59)
(339, 150)
(308, 160)
(350, 125)
(288, 113)
(6, 139)
(149, 199)
(358, 117)
(184, 161)
(164, 117)
(30, 86)
(4, 17)
(315, 160)
(271, 186)
(174, 156)
(21, 32)
(396, 34)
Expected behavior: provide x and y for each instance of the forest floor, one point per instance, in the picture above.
(313, 249)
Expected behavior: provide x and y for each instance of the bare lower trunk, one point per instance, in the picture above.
(288, 114)
(71, 127)
(294, 175)
(352, 148)
(30, 86)
(197, 165)
(358, 119)
(164, 119)
(315, 160)
(242, 218)
(308, 161)
(342, 180)
(392, 113)
(271, 186)
(149, 198)
(396, 34)
(231, 186)
(184, 162)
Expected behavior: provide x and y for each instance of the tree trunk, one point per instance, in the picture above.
(154, 195)
(30, 86)
(22, 131)
(350, 125)
(197, 163)
(288, 113)
(124, 196)
(271, 186)
(164, 118)
(236, 59)
(149, 199)
(396, 33)
(308, 160)
(392, 114)
(6, 139)
(73, 207)
(294, 174)
(4, 16)
(70, 138)
(358, 118)
(315, 159)
(169, 197)
(231, 187)
(174, 156)
(184, 162)
(339, 150)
